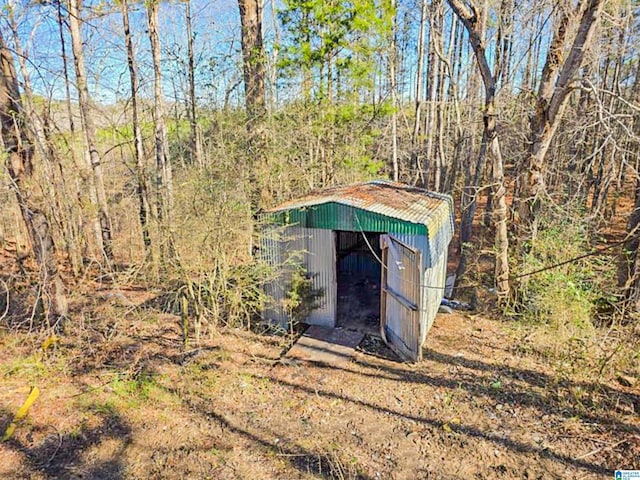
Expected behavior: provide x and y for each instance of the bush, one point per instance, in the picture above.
(563, 298)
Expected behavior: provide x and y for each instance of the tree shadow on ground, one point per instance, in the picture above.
(511, 392)
(611, 399)
(322, 463)
(459, 428)
(59, 455)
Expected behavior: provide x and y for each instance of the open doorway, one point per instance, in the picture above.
(358, 276)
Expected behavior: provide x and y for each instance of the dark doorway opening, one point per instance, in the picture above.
(358, 273)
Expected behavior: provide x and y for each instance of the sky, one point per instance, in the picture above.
(216, 32)
(217, 48)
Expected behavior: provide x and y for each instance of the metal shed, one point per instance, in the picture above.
(377, 239)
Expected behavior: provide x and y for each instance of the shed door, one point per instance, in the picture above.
(400, 298)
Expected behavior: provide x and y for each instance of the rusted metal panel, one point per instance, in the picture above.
(381, 196)
(401, 316)
(379, 206)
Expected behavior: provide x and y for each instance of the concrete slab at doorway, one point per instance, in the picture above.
(331, 346)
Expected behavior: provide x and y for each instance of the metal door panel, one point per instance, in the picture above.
(401, 297)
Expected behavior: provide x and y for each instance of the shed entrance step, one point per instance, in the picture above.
(330, 346)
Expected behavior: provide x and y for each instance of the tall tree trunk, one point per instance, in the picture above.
(253, 57)
(19, 156)
(273, 74)
(253, 65)
(196, 151)
(420, 73)
(61, 205)
(138, 147)
(164, 174)
(416, 141)
(435, 34)
(77, 220)
(438, 133)
(67, 84)
(393, 58)
(629, 276)
(101, 223)
(554, 89)
(490, 143)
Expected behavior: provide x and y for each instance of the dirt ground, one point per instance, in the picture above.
(122, 398)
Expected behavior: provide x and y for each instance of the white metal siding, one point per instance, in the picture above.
(434, 281)
(272, 252)
(321, 266)
(311, 248)
(434, 278)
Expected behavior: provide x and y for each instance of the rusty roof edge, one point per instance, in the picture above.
(309, 202)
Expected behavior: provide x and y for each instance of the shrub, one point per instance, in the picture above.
(565, 297)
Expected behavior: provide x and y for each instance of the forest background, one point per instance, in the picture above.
(142, 140)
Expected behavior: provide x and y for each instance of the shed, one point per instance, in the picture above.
(376, 252)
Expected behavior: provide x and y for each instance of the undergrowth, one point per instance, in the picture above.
(562, 297)
(560, 308)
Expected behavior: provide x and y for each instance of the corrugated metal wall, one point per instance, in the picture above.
(312, 248)
(360, 261)
(272, 251)
(315, 249)
(434, 281)
(321, 266)
(402, 322)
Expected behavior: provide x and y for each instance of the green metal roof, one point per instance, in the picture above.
(337, 216)
(378, 206)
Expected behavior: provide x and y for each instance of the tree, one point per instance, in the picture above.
(138, 147)
(630, 278)
(38, 120)
(164, 172)
(393, 80)
(18, 145)
(556, 84)
(101, 222)
(253, 57)
(196, 150)
(490, 144)
(419, 71)
(330, 40)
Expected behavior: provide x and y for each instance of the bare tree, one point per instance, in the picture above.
(420, 71)
(472, 21)
(62, 207)
(138, 147)
(196, 150)
(19, 149)
(101, 223)
(393, 80)
(630, 275)
(164, 173)
(553, 92)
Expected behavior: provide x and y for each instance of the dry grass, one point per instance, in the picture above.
(121, 398)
